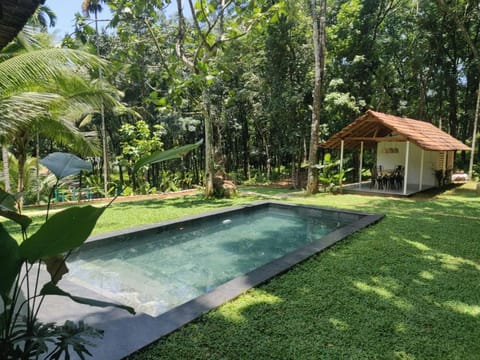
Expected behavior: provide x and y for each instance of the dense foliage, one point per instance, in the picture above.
(240, 75)
(255, 72)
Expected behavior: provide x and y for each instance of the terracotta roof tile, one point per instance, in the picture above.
(375, 125)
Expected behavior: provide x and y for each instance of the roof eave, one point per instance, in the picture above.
(14, 15)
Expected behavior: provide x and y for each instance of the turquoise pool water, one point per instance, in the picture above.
(159, 269)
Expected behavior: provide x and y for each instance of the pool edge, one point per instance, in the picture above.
(126, 334)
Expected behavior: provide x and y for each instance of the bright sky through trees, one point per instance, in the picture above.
(65, 10)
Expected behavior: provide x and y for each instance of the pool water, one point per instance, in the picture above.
(159, 269)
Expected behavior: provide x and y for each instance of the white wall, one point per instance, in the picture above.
(392, 154)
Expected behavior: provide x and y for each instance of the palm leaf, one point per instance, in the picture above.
(20, 109)
(41, 65)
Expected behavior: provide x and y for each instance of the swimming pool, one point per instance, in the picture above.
(174, 271)
(158, 269)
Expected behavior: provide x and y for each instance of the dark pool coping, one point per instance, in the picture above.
(125, 334)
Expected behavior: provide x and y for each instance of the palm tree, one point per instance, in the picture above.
(43, 17)
(68, 100)
(45, 91)
(92, 6)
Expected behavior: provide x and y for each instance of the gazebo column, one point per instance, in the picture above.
(342, 143)
(360, 166)
(405, 182)
(420, 181)
(445, 166)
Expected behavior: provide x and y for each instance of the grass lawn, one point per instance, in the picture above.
(405, 288)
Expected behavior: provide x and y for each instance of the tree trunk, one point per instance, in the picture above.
(245, 148)
(474, 136)
(6, 169)
(209, 158)
(21, 179)
(318, 20)
(452, 99)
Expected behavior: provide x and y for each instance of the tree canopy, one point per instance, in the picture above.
(241, 75)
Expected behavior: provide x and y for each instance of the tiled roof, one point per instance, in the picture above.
(14, 14)
(373, 127)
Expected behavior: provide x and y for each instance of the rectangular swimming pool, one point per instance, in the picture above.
(158, 269)
(174, 271)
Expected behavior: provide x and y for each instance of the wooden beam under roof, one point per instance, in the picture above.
(376, 139)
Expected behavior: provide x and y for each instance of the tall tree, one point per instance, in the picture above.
(95, 7)
(469, 10)
(210, 21)
(318, 10)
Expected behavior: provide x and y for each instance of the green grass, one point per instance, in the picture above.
(121, 215)
(405, 288)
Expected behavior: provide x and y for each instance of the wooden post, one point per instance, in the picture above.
(420, 185)
(407, 150)
(360, 166)
(341, 161)
(445, 168)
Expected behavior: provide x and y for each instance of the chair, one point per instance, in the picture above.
(398, 177)
(378, 178)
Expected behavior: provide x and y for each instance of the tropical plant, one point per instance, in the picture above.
(331, 176)
(53, 106)
(22, 336)
(137, 141)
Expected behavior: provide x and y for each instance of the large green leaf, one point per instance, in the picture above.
(7, 201)
(10, 263)
(51, 289)
(23, 220)
(65, 164)
(62, 232)
(159, 156)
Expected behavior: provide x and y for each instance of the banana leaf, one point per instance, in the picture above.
(170, 154)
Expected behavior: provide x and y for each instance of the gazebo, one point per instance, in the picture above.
(14, 14)
(421, 150)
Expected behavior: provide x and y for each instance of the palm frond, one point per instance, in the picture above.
(41, 65)
(20, 109)
(68, 135)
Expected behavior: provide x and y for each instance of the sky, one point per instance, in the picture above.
(65, 9)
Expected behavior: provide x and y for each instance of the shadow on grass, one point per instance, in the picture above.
(267, 190)
(406, 288)
(180, 202)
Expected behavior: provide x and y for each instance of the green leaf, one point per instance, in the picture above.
(159, 156)
(7, 201)
(62, 232)
(51, 289)
(10, 263)
(9, 211)
(56, 267)
(23, 220)
(65, 164)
